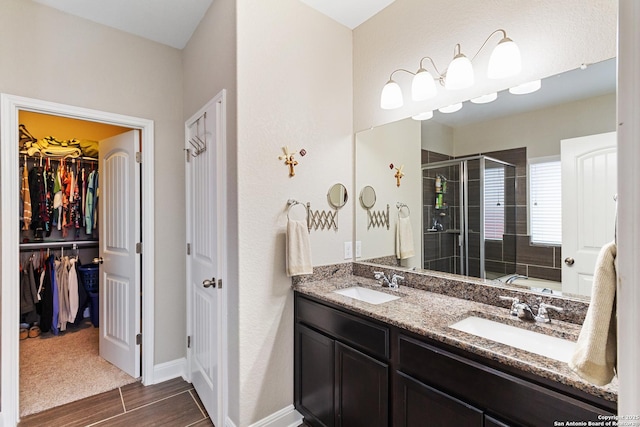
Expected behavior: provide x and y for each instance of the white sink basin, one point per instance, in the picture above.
(366, 295)
(534, 342)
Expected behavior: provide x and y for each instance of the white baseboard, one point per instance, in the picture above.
(229, 423)
(169, 370)
(286, 417)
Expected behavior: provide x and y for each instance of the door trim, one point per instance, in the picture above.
(223, 389)
(10, 105)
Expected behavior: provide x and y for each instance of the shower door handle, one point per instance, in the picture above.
(569, 261)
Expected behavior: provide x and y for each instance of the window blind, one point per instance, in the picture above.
(545, 202)
(494, 203)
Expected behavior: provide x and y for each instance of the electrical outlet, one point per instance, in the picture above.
(358, 248)
(348, 250)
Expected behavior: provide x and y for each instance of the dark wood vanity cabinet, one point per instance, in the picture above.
(351, 371)
(341, 367)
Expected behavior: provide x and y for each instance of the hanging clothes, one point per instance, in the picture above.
(74, 298)
(90, 202)
(25, 195)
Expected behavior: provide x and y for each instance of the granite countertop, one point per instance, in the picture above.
(430, 314)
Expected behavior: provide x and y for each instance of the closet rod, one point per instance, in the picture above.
(61, 244)
(92, 159)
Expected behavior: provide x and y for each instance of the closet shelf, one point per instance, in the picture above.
(60, 244)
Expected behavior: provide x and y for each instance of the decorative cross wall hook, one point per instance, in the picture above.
(398, 176)
(289, 160)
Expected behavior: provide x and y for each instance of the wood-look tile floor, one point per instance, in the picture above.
(172, 403)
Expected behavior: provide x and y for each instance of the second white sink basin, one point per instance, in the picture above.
(366, 295)
(534, 342)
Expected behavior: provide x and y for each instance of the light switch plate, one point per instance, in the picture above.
(348, 250)
(358, 248)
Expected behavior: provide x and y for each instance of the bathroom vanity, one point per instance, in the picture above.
(399, 363)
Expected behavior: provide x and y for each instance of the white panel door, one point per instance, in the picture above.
(589, 188)
(119, 222)
(205, 234)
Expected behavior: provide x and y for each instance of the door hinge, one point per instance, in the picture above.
(138, 339)
(188, 341)
(188, 154)
(219, 283)
(188, 248)
(139, 247)
(139, 157)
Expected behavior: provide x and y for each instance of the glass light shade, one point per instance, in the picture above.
(459, 74)
(485, 99)
(451, 108)
(526, 88)
(423, 116)
(391, 97)
(423, 86)
(505, 60)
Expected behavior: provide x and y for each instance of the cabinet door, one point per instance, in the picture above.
(314, 376)
(418, 405)
(362, 389)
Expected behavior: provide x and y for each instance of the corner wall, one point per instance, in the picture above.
(209, 65)
(294, 89)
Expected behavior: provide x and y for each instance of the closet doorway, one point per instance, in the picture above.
(119, 304)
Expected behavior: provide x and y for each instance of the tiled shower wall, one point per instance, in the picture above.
(440, 248)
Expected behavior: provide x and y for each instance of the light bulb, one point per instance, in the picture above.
(423, 86)
(459, 74)
(391, 97)
(505, 60)
(423, 116)
(485, 99)
(526, 88)
(451, 108)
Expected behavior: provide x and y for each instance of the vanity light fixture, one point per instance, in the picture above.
(505, 61)
(423, 116)
(451, 108)
(485, 99)
(526, 88)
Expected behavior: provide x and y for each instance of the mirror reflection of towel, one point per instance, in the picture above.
(298, 249)
(594, 358)
(404, 239)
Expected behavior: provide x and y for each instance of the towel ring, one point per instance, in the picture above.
(400, 205)
(293, 203)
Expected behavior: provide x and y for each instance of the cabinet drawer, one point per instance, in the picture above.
(511, 398)
(357, 332)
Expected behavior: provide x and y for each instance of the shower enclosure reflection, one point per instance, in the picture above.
(469, 217)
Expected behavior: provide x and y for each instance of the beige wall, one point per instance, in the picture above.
(553, 36)
(294, 89)
(53, 56)
(541, 130)
(209, 65)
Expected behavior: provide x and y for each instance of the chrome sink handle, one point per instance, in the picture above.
(395, 281)
(384, 280)
(543, 312)
(514, 304)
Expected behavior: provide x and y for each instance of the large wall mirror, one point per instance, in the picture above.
(520, 190)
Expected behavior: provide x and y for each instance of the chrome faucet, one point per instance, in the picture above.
(524, 311)
(385, 282)
(515, 277)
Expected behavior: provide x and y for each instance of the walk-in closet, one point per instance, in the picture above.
(60, 183)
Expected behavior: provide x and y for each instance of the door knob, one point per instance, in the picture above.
(569, 261)
(209, 283)
(98, 260)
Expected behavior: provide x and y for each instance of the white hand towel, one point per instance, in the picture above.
(298, 249)
(594, 358)
(404, 238)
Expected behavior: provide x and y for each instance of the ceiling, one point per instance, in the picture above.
(172, 22)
